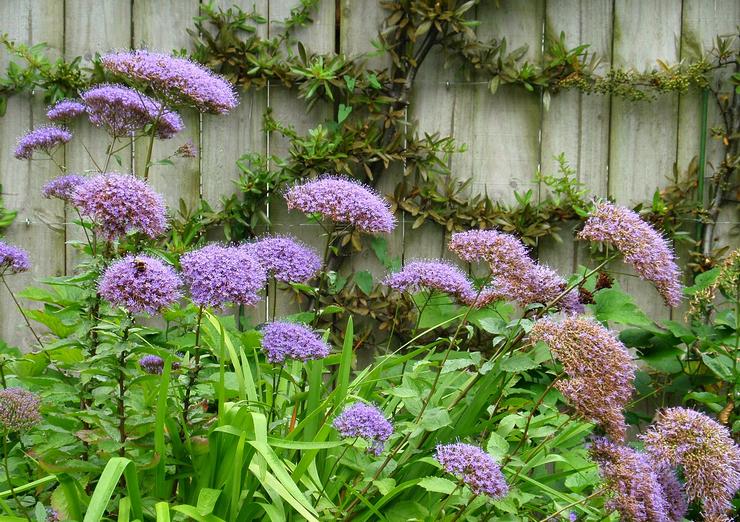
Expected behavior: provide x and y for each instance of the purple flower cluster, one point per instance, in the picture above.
(65, 110)
(434, 276)
(63, 187)
(598, 365)
(515, 275)
(46, 138)
(673, 491)
(343, 201)
(13, 259)
(634, 482)
(19, 409)
(367, 422)
(474, 467)
(123, 111)
(176, 79)
(219, 275)
(642, 246)
(281, 341)
(705, 451)
(140, 284)
(121, 203)
(152, 364)
(285, 258)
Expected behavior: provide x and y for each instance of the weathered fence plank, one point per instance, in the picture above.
(93, 27)
(577, 124)
(180, 181)
(225, 139)
(288, 109)
(702, 22)
(643, 134)
(39, 225)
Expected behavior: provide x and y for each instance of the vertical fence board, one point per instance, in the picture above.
(38, 227)
(575, 123)
(92, 27)
(153, 21)
(226, 138)
(360, 23)
(702, 23)
(317, 37)
(643, 134)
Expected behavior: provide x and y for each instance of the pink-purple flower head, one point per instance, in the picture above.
(367, 422)
(121, 203)
(46, 138)
(642, 246)
(177, 80)
(123, 111)
(140, 284)
(152, 364)
(515, 275)
(13, 259)
(65, 110)
(343, 201)
(600, 369)
(19, 410)
(430, 275)
(474, 467)
(706, 453)
(286, 259)
(282, 341)
(634, 482)
(63, 187)
(219, 275)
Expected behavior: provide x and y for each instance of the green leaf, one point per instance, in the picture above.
(518, 362)
(721, 366)
(364, 281)
(345, 364)
(614, 305)
(207, 499)
(702, 281)
(435, 418)
(107, 483)
(343, 112)
(438, 485)
(497, 446)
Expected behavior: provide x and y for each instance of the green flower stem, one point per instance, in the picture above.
(6, 451)
(424, 405)
(447, 499)
(530, 417)
(195, 370)
(150, 147)
(20, 309)
(554, 516)
(275, 387)
(463, 510)
(331, 472)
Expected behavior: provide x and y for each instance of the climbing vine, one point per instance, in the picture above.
(369, 132)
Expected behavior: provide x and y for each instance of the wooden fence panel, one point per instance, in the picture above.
(153, 28)
(92, 27)
(226, 138)
(702, 22)
(577, 124)
(643, 134)
(289, 110)
(619, 148)
(359, 26)
(39, 225)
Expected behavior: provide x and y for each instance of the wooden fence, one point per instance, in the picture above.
(620, 148)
